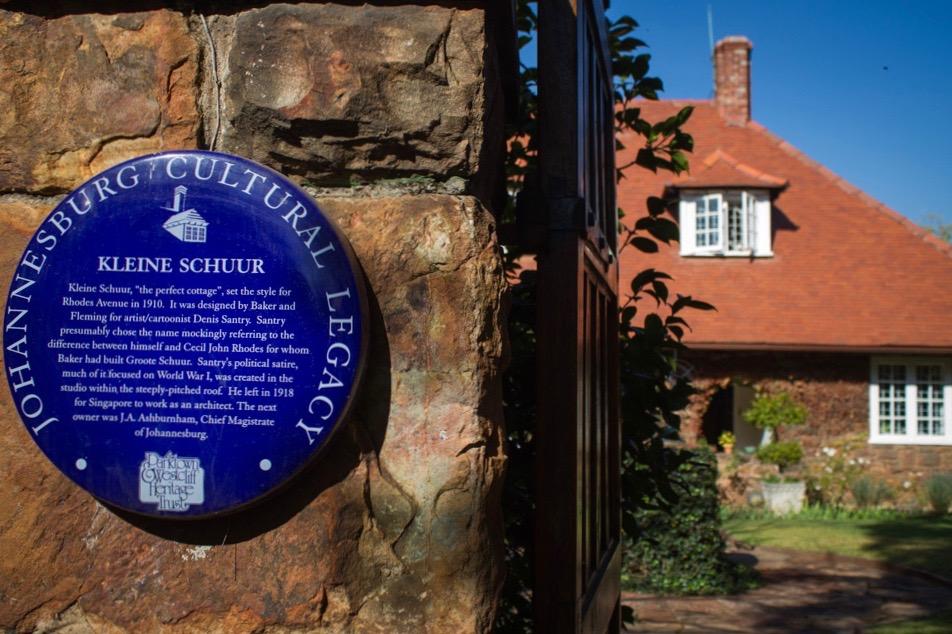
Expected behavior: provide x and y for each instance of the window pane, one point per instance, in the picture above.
(900, 426)
(929, 399)
(713, 204)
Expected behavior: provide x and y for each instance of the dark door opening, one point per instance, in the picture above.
(719, 416)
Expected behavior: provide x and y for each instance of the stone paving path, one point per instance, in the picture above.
(800, 592)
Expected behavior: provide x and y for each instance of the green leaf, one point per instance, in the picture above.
(680, 162)
(644, 244)
(664, 230)
(656, 206)
(641, 64)
(627, 314)
(646, 158)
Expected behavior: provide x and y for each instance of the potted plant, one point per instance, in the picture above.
(726, 440)
(769, 412)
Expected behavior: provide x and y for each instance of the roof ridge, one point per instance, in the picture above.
(850, 189)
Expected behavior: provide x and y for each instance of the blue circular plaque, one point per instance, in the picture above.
(184, 333)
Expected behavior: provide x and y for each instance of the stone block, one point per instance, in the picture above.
(396, 528)
(337, 93)
(83, 92)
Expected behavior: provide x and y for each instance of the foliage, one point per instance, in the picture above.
(770, 411)
(829, 479)
(818, 512)
(726, 438)
(870, 492)
(653, 389)
(935, 224)
(784, 454)
(938, 491)
(680, 550)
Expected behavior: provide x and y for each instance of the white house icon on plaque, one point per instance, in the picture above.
(184, 224)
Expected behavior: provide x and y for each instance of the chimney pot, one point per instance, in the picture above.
(732, 79)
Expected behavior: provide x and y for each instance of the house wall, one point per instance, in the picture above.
(391, 116)
(834, 387)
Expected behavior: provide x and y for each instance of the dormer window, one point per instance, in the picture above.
(725, 222)
(724, 208)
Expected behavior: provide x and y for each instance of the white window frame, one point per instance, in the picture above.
(718, 246)
(912, 435)
(756, 206)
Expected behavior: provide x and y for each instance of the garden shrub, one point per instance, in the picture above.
(770, 411)
(680, 550)
(783, 454)
(938, 490)
(868, 492)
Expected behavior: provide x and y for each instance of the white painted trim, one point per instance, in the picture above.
(759, 234)
(687, 209)
(912, 436)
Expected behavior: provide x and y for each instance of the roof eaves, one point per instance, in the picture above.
(819, 347)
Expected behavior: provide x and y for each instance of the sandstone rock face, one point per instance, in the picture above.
(83, 92)
(395, 529)
(336, 93)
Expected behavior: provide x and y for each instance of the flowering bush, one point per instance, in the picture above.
(839, 466)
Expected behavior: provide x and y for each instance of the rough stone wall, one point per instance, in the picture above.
(835, 390)
(387, 114)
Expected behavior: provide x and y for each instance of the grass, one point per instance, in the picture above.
(919, 541)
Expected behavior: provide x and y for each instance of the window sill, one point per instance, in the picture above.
(912, 440)
(748, 255)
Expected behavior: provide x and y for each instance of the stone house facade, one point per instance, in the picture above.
(820, 291)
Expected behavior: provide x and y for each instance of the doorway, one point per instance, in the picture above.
(725, 413)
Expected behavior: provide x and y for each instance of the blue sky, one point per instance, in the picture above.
(865, 88)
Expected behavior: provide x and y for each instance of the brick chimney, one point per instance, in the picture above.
(732, 79)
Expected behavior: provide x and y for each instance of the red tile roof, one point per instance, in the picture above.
(720, 169)
(847, 271)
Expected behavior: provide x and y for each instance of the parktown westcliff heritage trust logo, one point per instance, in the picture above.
(172, 482)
